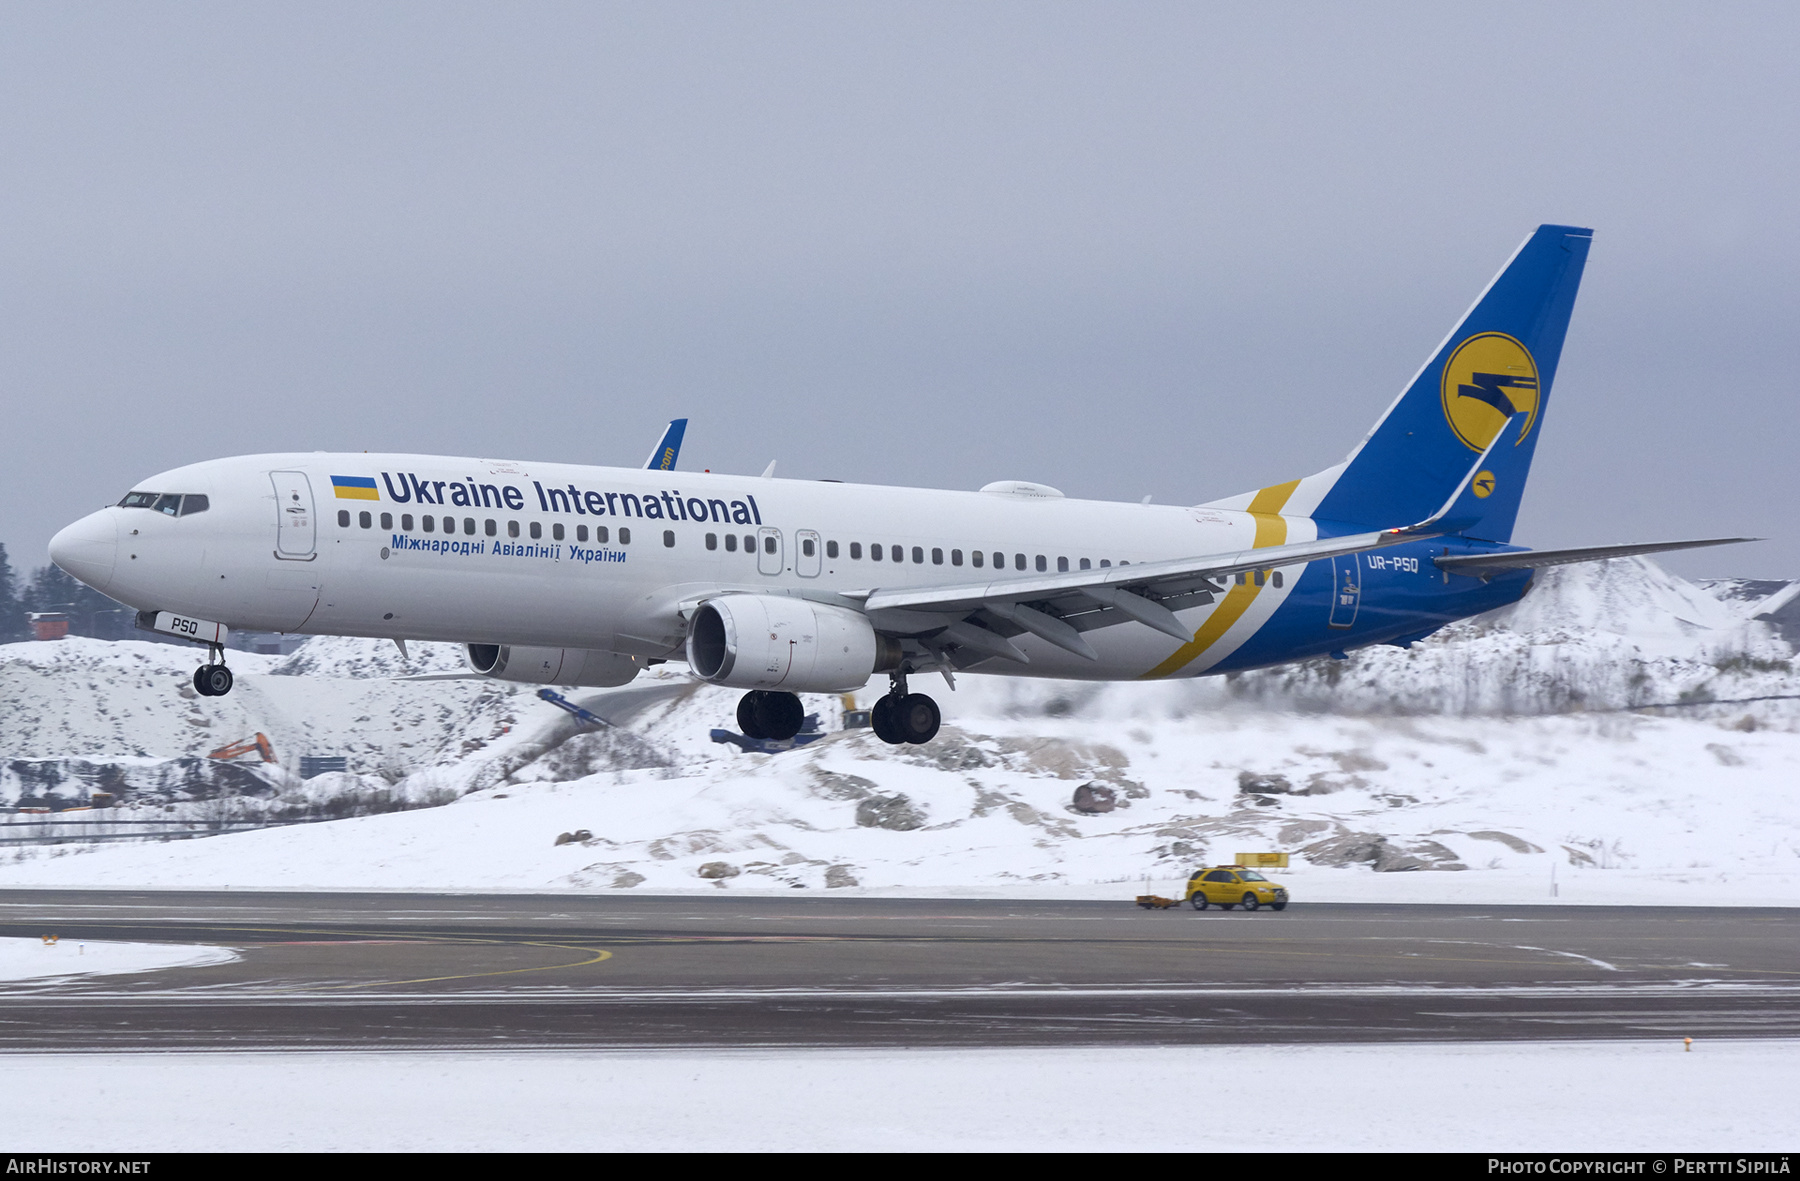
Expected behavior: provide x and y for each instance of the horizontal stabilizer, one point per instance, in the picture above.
(1479, 565)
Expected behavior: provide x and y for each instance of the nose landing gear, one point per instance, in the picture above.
(214, 679)
(902, 717)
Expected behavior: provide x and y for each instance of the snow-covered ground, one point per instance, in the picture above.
(35, 959)
(1619, 808)
(1571, 1097)
(1510, 758)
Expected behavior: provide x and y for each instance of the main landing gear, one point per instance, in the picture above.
(898, 718)
(214, 679)
(902, 717)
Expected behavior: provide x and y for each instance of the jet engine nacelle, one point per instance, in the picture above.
(780, 642)
(552, 666)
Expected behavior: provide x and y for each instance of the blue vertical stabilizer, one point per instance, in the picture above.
(1496, 364)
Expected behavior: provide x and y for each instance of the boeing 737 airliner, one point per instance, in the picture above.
(552, 573)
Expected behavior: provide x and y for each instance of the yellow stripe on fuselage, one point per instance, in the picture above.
(1271, 529)
(356, 493)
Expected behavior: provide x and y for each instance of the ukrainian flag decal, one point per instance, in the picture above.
(354, 488)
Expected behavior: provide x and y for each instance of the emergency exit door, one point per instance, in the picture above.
(769, 558)
(809, 556)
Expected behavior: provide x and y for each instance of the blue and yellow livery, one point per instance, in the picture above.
(579, 575)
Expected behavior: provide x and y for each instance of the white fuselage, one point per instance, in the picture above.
(602, 569)
(282, 547)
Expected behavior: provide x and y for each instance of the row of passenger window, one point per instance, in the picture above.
(429, 524)
(894, 553)
(897, 553)
(1039, 562)
(976, 558)
(769, 544)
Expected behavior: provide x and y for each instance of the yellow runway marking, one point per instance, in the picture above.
(390, 938)
(599, 955)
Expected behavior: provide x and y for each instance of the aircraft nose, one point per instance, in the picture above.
(89, 549)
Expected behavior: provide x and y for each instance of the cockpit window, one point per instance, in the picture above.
(169, 503)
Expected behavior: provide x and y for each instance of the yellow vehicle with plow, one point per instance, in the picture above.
(1228, 886)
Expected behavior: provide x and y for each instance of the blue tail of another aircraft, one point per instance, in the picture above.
(668, 448)
(1495, 366)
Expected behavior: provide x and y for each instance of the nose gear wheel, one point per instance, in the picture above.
(212, 680)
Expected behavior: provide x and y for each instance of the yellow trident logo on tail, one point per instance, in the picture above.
(1487, 380)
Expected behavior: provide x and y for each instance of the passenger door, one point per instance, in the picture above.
(768, 550)
(807, 561)
(296, 532)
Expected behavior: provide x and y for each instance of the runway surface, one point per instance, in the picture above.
(372, 971)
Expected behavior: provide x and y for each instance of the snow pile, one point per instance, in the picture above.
(81, 715)
(35, 959)
(96, 697)
(1775, 602)
(344, 657)
(1498, 747)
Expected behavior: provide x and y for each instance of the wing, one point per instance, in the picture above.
(1057, 608)
(981, 618)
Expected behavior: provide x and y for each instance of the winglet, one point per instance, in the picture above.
(663, 458)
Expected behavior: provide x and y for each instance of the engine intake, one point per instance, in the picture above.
(780, 642)
(553, 666)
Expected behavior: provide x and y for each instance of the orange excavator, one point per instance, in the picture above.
(259, 744)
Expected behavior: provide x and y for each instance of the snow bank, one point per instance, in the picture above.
(33, 959)
(1619, 807)
(347, 658)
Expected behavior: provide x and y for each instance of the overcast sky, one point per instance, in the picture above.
(1172, 249)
